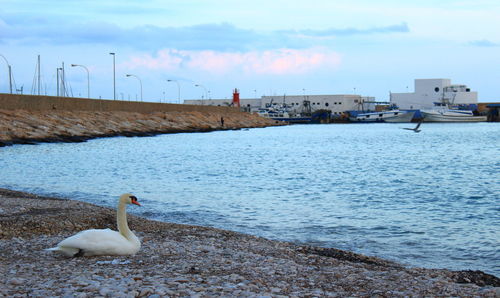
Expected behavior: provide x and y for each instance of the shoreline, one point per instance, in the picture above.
(82, 139)
(183, 260)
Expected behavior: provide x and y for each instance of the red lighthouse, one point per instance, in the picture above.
(236, 98)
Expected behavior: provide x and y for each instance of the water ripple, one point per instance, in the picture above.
(428, 199)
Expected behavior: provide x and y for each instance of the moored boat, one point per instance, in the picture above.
(393, 116)
(282, 115)
(448, 115)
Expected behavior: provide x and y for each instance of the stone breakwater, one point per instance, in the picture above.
(189, 261)
(29, 127)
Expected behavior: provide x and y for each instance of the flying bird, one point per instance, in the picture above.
(416, 129)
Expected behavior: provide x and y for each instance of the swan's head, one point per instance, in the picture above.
(129, 199)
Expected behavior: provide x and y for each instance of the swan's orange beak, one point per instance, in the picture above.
(133, 200)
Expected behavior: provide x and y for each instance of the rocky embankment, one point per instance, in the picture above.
(188, 261)
(28, 127)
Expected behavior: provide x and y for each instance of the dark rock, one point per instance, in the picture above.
(476, 277)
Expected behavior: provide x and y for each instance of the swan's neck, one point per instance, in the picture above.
(121, 218)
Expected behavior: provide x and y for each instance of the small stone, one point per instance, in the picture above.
(106, 291)
(275, 290)
(145, 292)
(17, 281)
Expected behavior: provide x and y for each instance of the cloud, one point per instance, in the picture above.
(216, 36)
(220, 37)
(401, 28)
(271, 62)
(483, 43)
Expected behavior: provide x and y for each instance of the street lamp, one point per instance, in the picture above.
(58, 88)
(199, 85)
(88, 77)
(178, 89)
(140, 82)
(10, 72)
(114, 76)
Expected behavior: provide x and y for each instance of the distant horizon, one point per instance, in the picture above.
(263, 48)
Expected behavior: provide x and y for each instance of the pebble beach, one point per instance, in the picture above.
(191, 261)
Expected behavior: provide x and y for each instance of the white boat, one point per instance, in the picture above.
(282, 115)
(273, 114)
(392, 116)
(448, 115)
(447, 111)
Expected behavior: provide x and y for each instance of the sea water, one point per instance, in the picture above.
(428, 199)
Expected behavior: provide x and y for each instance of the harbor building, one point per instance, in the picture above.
(430, 91)
(337, 104)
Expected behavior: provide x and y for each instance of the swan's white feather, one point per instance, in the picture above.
(104, 241)
(98, 242)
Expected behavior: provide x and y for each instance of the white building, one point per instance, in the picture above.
(297, 103)
(335, 103)
(430, 91)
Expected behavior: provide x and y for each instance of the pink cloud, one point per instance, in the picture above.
(276, 62)
(165, 60)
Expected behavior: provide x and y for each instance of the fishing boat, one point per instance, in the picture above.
(451, 115)
(448, 112)
(282, 115)
(393, 116)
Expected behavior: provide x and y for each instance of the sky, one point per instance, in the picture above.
(206, 48)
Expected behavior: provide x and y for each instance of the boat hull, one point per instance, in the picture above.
(293, 119)
(406, 117)
(387, 116)
(443, 117)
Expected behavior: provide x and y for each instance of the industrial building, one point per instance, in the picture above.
(338, 104)
(427, 93)
(430, 91)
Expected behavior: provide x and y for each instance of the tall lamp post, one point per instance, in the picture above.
(114, 76)
(178, 89)
(140, 82)
(199, 85)
(88, 77)
(10, 72)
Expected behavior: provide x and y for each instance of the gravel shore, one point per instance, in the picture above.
(190, 261)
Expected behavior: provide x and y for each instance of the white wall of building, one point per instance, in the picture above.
(335, 103)
(429, 91)
(338, 104)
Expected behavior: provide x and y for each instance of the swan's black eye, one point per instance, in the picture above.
(133, 198)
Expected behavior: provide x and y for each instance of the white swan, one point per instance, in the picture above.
(104, 241)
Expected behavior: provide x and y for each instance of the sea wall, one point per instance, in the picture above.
(33, 119)
(54, 103)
